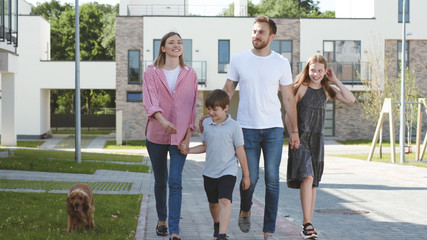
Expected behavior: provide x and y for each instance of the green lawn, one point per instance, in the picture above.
(386, 157)
(57, 185)
(28, 144)
(43, 216)
(131, 144)
(84, 131)
(70, 142)
(63, 161)
(368, 142)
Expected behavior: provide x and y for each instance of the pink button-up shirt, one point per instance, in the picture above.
(178, 108)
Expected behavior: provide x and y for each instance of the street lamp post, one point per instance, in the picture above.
(78, 157)
(402, 87)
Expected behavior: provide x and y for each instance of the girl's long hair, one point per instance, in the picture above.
(304, 78)
(161, 57)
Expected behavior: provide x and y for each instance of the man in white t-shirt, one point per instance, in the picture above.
(261, 73)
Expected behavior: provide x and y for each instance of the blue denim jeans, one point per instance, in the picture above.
(158, 156)
(270, 141)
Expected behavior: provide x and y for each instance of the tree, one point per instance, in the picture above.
(380, 86)
(97, 29)
(50, 10)
(282, 8)
(97, 42)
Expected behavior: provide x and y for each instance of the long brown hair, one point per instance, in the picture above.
(161, 57)
(304, 78)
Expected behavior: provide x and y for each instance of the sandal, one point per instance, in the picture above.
(308, 231)
(161, 230)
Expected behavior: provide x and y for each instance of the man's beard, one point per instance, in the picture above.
(261, 44)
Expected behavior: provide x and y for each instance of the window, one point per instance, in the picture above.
(223, 55)
(283, 47)
(399, 55)
(156, 46)
(344, 58)
(400, 11)
(187, 45)
(342, 51)
(134, 97)
(188, 51)
(329, 128)
(133, 67)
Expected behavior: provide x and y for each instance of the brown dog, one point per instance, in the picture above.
(80, 207)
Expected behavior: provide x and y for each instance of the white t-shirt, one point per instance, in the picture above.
(259, 79)
(172, 77)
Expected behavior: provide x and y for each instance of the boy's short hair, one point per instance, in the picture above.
(217, 98)
(269, 21)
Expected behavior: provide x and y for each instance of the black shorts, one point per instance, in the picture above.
(217, 188)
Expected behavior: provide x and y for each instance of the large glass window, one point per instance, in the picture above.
(156, 47)
(9, 22)
(223, 55)
(399, 55)
(283, 47)
(344, 57)
(400, 13)
(342, 51)
(134, 67)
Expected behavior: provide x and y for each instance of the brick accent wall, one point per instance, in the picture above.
(289, 29)
(129, 36)
(417, 60)
(350, 122)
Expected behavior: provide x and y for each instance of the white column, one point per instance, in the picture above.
(119, 127)
(44, 111)
(8, 116)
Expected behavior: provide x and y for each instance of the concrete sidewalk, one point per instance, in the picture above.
(356, 199)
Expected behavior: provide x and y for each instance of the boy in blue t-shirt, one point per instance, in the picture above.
(223, 143)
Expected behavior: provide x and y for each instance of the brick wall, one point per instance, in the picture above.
(129, 36)
(289, 29)
(417, 60)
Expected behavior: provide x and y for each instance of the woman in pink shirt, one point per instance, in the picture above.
(169, 96)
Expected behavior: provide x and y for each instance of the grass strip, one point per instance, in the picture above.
(84, 131)
(62, 161)
(43, 216)
(131, 144)
(386, 157)
(70, 142)
(54, 185)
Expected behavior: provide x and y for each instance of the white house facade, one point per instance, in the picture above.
(210, 42)
(28, 74)
(26, 84)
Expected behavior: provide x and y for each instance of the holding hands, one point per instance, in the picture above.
(184, 147)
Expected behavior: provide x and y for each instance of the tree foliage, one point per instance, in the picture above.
(282, 8)
(97, 42)
(93, 101)
(380, 86)
(97, 29)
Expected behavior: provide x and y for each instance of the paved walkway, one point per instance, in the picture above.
(356, 199)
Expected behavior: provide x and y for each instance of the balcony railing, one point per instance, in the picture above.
(348, 73)
(199, 66)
